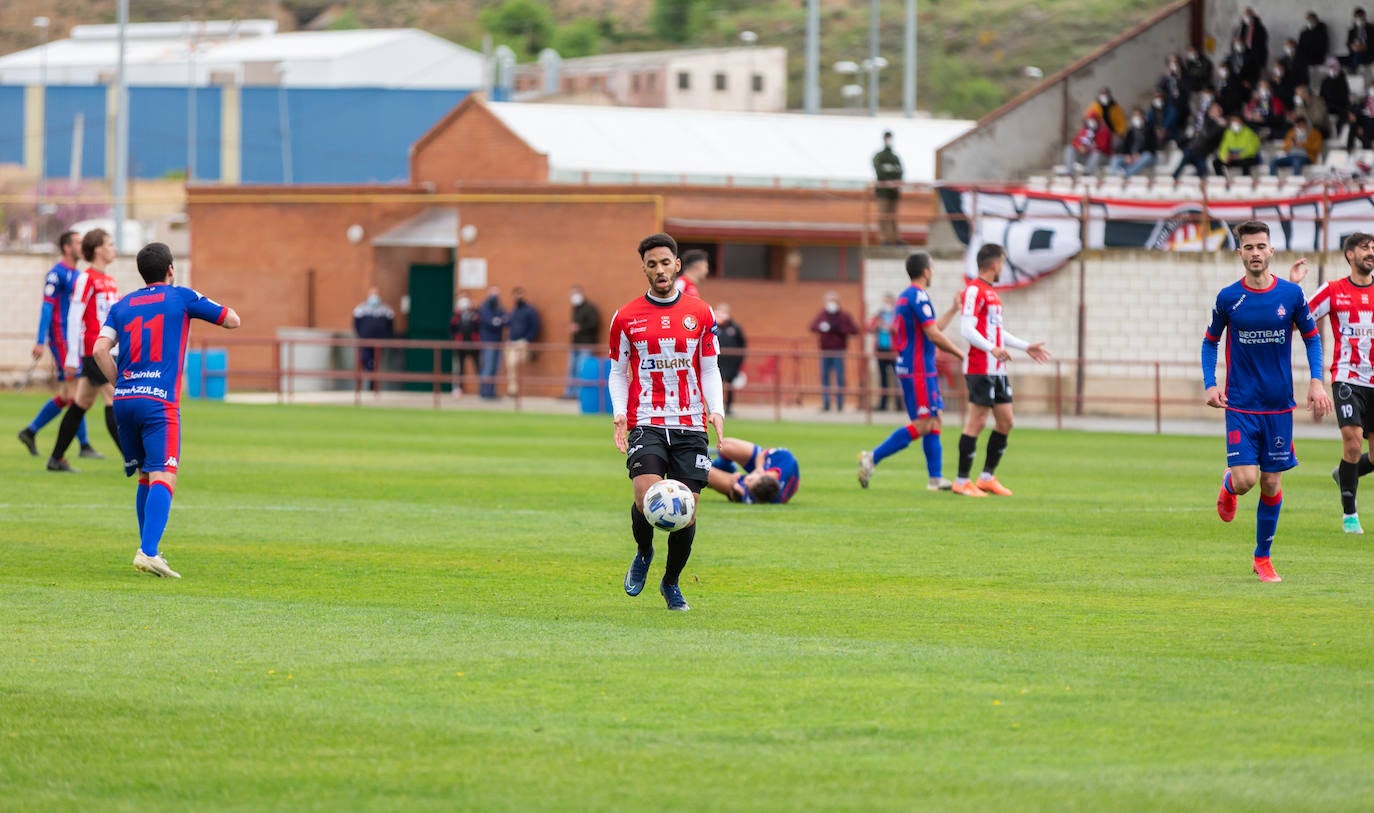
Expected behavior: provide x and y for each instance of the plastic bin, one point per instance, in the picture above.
(593, 395)
(213, 367)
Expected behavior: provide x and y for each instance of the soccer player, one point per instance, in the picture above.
(916, 334)
(52, 335)
(665, 388)
(1258, 314)
(93, 294)
(151, 327)
(696, 264)
(770, 475)
(985, 374)
(1349, 303)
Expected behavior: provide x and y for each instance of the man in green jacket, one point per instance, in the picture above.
(888, 169)
(1239, 148)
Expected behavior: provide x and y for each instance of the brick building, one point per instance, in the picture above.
(546, 199)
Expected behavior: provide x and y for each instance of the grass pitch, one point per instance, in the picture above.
(392, 609)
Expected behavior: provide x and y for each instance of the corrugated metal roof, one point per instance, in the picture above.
(629, 144)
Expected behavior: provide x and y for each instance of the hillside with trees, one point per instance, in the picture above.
(972, 55)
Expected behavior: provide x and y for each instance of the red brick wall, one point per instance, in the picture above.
(472, 145)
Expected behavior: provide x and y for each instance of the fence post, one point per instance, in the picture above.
(435, 372)
(1159, 406)
(1058, 394)
(777, 388)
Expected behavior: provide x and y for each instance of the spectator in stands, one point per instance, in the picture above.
(1105, 108)
(1138, 148)
(491, 331)
(1231, 91)
(1090, 146)
(372, 319)
(1166, 120)
(1255, 38)
(1204, 142)
(1265, 114)
(1313, 108)
(464, 326)
(1357, 43)
(1282, 85)
(1295, 71)
(1173, 84)
(1335, 91)
(1239, 148)
(1302, 146)
(887, 168)
(524, 329)
(584, 333)
(1314, 43)
(1361, 118)
(833, 328)
(1197, 69)
(1242, 65)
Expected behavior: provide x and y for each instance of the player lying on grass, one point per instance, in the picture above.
(748, 473)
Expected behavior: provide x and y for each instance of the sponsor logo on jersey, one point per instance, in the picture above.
(131, 375)
(1238, 301)
(1262, 336)
(665, 364)
(689, 322)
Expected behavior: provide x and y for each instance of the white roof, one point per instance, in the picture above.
(160, 54)
(629, 144)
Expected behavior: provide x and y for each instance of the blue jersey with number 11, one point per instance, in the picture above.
(151, 327)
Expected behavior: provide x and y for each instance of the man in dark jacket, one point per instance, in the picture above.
(887, 167)
(1204, 142)
(524, 328)
(492, 328)
(372, 320)
(1314, 43)
(584, 332)
(833, 327)
(465, 328)
(732, 343)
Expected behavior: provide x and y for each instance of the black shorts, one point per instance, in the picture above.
(91, 371)
(676, 454)
(988, 390)
(1354, 405)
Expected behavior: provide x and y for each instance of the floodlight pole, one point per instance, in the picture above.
(121, 173)
(812, 91)
(873, 58)
(43, 23)
(909, 61)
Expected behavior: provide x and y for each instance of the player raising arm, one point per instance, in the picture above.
(1259, 313)
(151, 327)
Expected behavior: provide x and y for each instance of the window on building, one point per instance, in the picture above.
(651, 82)
(720, 81)
(747, 261)
(823, 263)
(684, 80)
(758, 83)
(634, 82)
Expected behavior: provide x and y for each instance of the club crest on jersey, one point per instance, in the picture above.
(689, 322)
(1282, 312)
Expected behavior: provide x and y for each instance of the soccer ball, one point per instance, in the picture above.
(670, 505)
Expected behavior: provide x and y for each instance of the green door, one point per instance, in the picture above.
(431, 306)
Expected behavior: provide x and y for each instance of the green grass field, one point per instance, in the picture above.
(392, 609)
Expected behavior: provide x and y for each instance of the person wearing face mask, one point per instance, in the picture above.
(1265, 113)
(524, 329)
(465, 328)
(1168, 123)
(1314, 42)
(372, 320)
(491, 330)
(1313, 108)
(1104, 108)
(1295, 71)
(1335, 91)
(1197, 68)
(1302, 146)
(1239, 148)
(1361, 118)
(833, 327)
(584, 333)
(1090, 145)
(1231, 92)
(1172, 83)
(1138, 148)
(1254, 40)
(1358, 41)
(1204, 142)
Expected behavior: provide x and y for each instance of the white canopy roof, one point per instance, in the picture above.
(636, 144)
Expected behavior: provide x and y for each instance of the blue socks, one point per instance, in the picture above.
(896, 442)
(141, 504)
(1266, 522)
(156, 508)
(935, 452)
(50, 410)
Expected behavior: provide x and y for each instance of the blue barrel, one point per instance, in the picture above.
(588, 399)
(215, 365)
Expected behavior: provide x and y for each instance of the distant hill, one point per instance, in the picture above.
(971, 53)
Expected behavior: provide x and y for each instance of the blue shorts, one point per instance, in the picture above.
(149, 434)
(922, 400)
(1260, 440)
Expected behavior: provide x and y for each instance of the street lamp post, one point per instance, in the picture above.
(42, 23)
(749, 38)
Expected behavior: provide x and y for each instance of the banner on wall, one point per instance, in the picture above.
(1041, 231)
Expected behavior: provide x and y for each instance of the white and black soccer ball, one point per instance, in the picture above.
(670, 505)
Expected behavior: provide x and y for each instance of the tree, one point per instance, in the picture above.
(525, 25)
(578, 38)
(678, 20)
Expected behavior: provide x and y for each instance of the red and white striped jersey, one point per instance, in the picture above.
(982, 302)
(662, 346)
(92, 295)
(1351, 309)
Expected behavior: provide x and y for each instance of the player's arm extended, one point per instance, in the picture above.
(940, 340)
(1317, 399)
(102, 356)
(231, 319)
